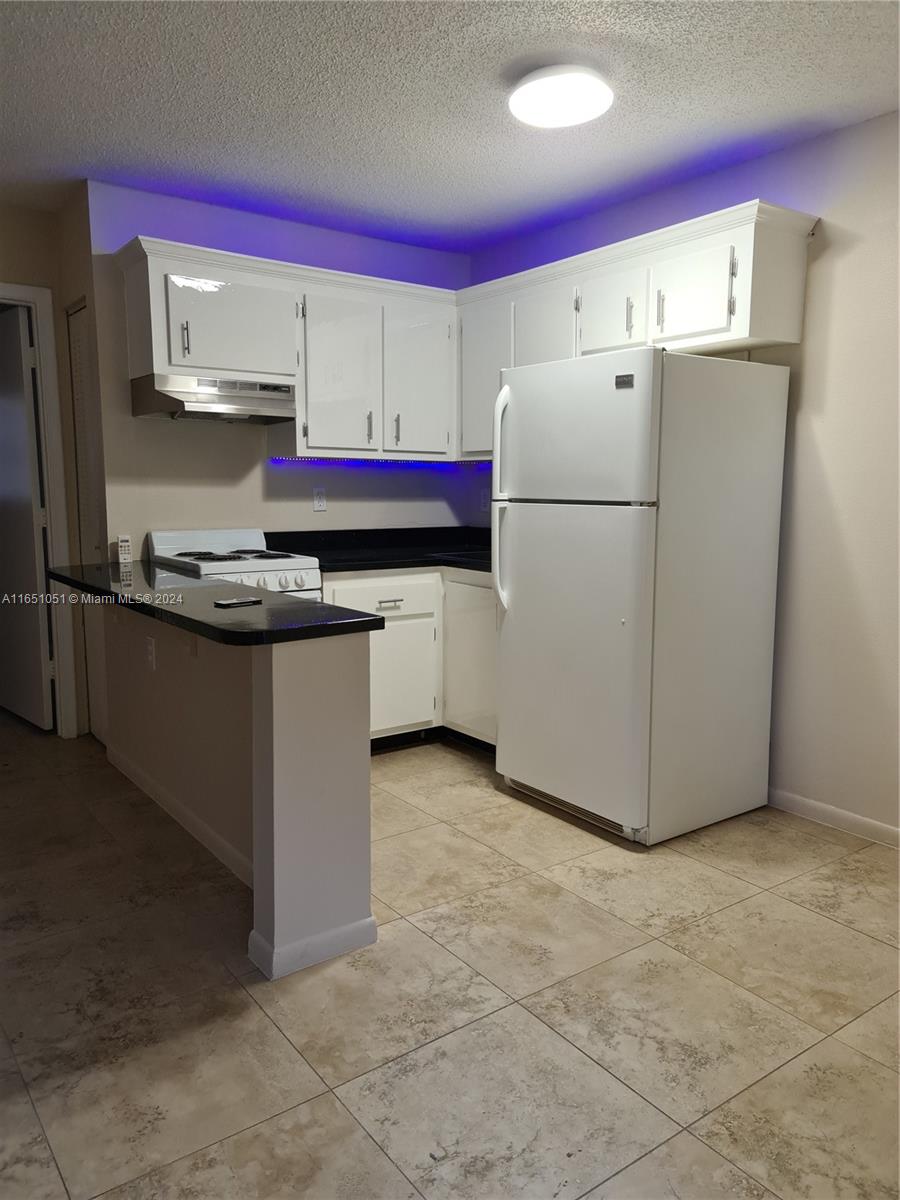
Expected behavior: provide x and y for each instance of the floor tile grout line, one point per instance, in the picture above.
(631, 1088)
(608, 1179)
(415, 1049)
(37, 1117)
(691, 1128)
(865, 1013)
(834, 920)
(241, 984)
(821, 1038)
(864, 1054)
(372, 1139)
(459, 958)
(208, 1145)
(610, 913)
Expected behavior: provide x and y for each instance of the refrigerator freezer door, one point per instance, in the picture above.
(574, 654)
(583, 429)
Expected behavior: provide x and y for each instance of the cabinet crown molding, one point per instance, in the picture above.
(739, 216)
(141, 248)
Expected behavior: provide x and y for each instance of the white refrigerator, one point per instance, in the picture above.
(635, 521)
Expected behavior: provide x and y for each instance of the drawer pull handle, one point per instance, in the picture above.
(386, 603)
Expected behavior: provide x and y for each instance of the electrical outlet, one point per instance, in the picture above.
(320, 504)
(485, 499)
(150, 651)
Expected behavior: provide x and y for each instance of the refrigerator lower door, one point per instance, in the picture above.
(575, 654)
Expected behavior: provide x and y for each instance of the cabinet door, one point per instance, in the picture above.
(470, 659)
(343, 373)
(418, 378)
(403, 673)
(614, 310)
(544, 324)
(486, 331)
(219, 326)
(692, 294)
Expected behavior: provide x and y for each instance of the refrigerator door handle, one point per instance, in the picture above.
(500, 406)
(498, 508)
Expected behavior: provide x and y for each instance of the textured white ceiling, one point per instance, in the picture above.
(390, 117)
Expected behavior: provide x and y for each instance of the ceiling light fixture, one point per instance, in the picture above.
(558, 96)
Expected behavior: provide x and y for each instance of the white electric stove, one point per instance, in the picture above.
(235, 556)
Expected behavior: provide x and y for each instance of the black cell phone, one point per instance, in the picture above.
(238, 602)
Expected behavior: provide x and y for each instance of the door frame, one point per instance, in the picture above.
(40, 301)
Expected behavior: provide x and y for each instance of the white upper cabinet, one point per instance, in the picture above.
(614, 310)
(544, 324)
(419, 377)
(343, 373)
(218, 325)
(692, 293)
(486, 332)
(379, 371)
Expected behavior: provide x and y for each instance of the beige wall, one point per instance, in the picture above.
(835, 718)
(29, 255)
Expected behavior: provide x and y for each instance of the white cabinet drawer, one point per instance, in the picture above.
(396, 597)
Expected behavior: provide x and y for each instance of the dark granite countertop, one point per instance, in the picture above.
(466, 546)
(189, 605)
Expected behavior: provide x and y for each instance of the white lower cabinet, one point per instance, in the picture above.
(435, 661)
(470, 658)
(405, 656)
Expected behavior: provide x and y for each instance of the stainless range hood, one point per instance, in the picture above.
(214, 399)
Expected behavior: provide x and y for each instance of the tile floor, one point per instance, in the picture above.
(549, 1012)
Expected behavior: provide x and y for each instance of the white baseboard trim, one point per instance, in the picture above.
(274, 962)
(233, 859)
(837, 818)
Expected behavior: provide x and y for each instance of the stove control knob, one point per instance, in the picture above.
(299, 580)
(262, 582)
(283, 582)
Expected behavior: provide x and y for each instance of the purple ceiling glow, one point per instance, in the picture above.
(393, 233)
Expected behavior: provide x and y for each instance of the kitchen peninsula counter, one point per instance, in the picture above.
(279, 617)
(250, 727)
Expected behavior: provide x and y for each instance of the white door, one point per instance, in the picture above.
(585, 429)
(404, 673)
(418, 378)
(25, 684)
(343, 373)
(575, 652)
(486, 332)
(544, 324)
(470, 659)
(614, 310)
(215, 326)
(692, 294)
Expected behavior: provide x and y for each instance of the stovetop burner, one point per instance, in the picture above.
(265, 554)
(210, 556)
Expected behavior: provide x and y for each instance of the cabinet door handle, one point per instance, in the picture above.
(186, 338)
(397, 429)
(660, 308)
(369, 419)
(390, 603)
(629, 320)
